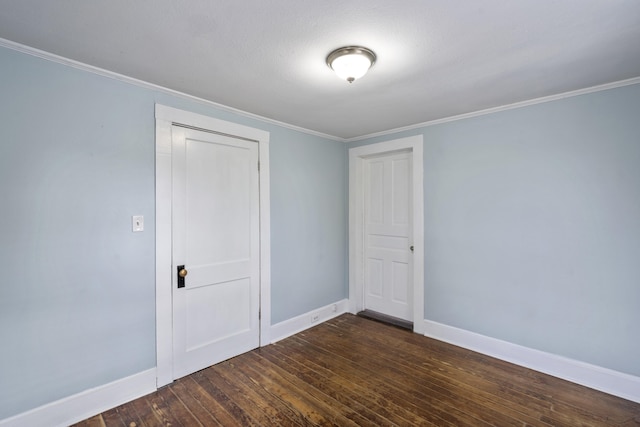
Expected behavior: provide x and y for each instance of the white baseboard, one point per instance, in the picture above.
(607, 380)
(86, 404)
(91, 402)
(297, 324)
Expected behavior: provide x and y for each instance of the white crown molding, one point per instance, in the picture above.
(596, 377)
(130, 80)
(146, 85)
(542, 100)
(86, 404)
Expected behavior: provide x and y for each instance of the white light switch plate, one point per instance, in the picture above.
(137, 223)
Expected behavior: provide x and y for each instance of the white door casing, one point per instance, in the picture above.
(216, 238)
(166, 118)
(357, 162)
(388, 238)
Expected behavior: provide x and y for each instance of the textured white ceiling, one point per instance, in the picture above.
(436, 58)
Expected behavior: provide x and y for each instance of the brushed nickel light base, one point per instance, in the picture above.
(351, 62)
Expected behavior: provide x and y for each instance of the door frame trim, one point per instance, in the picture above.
(166, 117)
(357, 157)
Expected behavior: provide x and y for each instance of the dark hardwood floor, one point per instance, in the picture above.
(353, 371)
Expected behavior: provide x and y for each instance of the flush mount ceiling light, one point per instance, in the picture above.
(351, 62)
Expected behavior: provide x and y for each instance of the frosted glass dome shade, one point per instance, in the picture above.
(351, 63)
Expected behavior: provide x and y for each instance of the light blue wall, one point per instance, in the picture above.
(532, 226)
(532, 223)
(77, 300)
(310, 229)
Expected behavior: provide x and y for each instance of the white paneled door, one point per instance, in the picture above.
(387, 235)
(215, 217)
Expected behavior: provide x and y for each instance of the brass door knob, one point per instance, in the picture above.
(183, 273)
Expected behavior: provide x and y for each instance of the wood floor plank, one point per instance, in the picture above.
(254, 410)
(441, 384)
(245, 376)
(347, 409)
(555, 394)
(129, 414)
(91, 422)
(392, 389)
(210, 399)
(366, 378)
(263, 406)
(188, 395)
(352, 371)
(146, 415)
(374, 406)
(303, 399)
(480, 408)
(169, 410)
(515, 382)
(112, 418)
